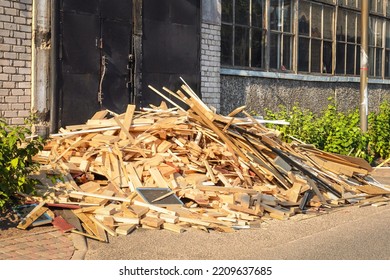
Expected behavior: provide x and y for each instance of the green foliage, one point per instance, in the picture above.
(337, 132)
(16, 163)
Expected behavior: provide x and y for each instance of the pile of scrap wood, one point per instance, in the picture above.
(174, 168)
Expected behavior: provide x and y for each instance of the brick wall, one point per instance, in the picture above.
(210, 64)
(15, 60)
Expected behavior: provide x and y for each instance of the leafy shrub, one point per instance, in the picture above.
(337, 132)
(16, 160)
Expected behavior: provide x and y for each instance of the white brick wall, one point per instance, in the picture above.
(15, 60)
(210, 64)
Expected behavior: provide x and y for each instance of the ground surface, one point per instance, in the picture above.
(347, 233)
(8, 222)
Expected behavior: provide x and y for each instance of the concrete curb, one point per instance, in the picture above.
(80, 245)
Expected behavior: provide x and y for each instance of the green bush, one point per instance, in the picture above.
(337, 132)
(16, 162)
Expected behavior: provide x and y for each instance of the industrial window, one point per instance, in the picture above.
(348, 42)
(281, 35)
(242, 33)
(315, 30)
(303, 36)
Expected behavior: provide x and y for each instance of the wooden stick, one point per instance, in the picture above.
(166, 98)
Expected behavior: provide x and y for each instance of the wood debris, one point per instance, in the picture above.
(223, 172)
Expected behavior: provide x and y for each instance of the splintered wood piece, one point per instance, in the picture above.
(127, 121)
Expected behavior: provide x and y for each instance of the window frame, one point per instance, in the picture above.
(338, 6)
(321, 39)
(250, 27)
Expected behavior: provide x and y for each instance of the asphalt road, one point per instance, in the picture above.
(346, 233)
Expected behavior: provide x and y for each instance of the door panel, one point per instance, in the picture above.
(116, 47)
(170, 46)
(79, 100)
(93, 32)
(79, 51)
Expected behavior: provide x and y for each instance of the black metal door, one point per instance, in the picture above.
(95, 58)
(170, 46)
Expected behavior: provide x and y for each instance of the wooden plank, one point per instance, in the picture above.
(101, 225)
(88, 223)
(152, 222)
(199, 111)
(99, 115)
(155, 208)
(166, 98)
(133, 177)
(108, 197)
(158, 178)
(38, 211)
(169, 218)
(125, 229)
(119, 219)
(127, 121)
(173, 227)
(124, 132)
(227, 190)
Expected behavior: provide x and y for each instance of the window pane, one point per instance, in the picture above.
(304, 17)
(287, 53)
(257, 48)
(371, 31)
(226, 44)
(351, 27)
(303, 55)
(327, 60)
(227, 11)
(316, 56)
(379, 6)
(340, 58)
(378, 61)
(340, 32)
(328, 23)
(275, 15)
(257, 13)
(387, 34)
(371, 61)
(357, 60)
(287, 16)
(387, 64)
(241, 46)
(379, 33)
(350, 59)
(242, 12)
(359, 22)
(316, 16)
(275, 50)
